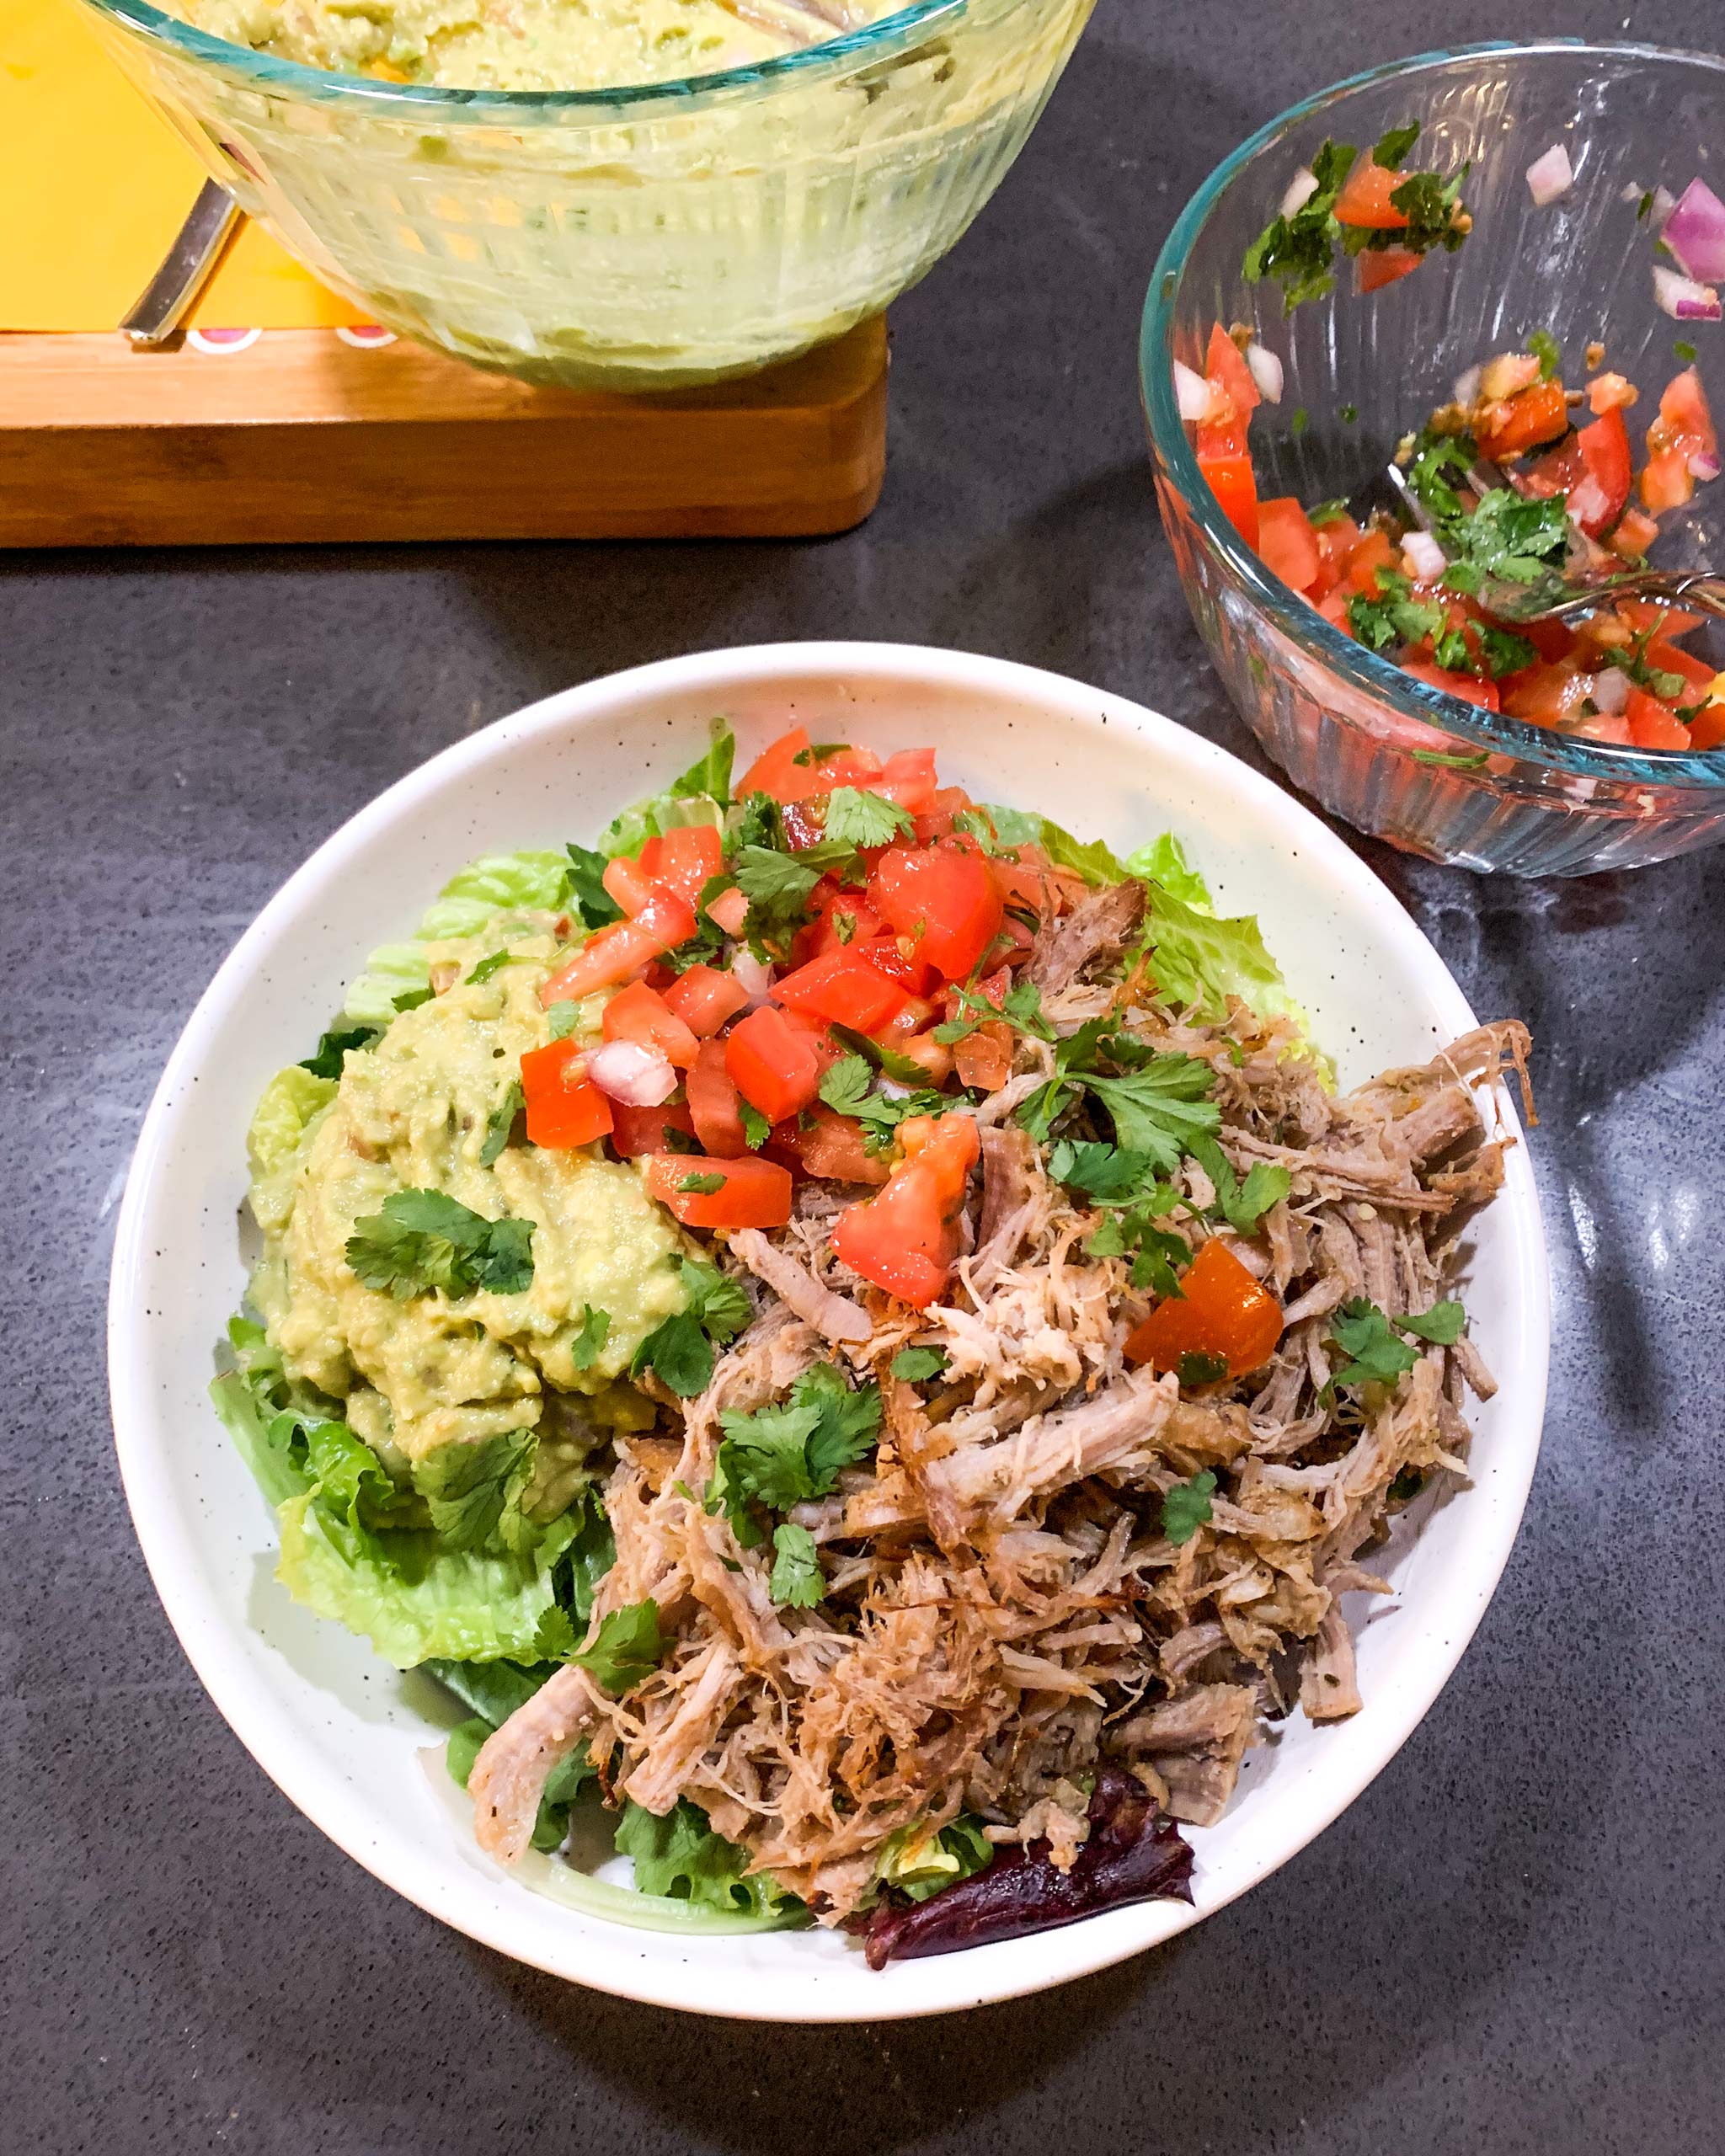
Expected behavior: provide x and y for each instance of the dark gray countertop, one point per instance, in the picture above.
(1512, 1942)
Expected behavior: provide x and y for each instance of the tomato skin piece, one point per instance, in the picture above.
(635, 1131)
(1287, 543)
(640, 1013)
(713, 1104)
(1654, 724)
(908, 970)
(1365, 199)
(936, 820)
(623, 948)
(831, 1147)
(983, 1060)
(906, 1238)
(774, 1066)
(564, 1107)
(841, 984)
(1532, 415)
(1383, 265)
(945, 898)
(755, 1193)
(1467, 686)
(704, 999)
(1235, 486)
(1221, 1310)
(1226, 369)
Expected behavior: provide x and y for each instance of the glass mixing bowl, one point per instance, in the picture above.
(638, 239)
(1392, 755)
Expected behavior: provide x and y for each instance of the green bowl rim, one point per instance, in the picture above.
(1292, 614)
(423, 102)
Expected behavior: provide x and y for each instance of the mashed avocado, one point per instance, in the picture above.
(412, 1110)
(528, 45)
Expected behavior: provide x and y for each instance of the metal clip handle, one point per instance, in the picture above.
(185, 270)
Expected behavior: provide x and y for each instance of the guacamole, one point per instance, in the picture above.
(527, 45)
(418, 1107)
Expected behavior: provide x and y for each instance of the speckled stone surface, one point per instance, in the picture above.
(1512, 1943)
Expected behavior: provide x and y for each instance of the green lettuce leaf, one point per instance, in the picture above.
(283, 1125)
(1164, 862)
(919, 1864)
(699, 795)
(681, 1857)
(496, 884)
(1201, 960)
(1096, 862)
(494, 1691)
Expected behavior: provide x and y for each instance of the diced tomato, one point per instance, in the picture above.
(1670, 622)
(906, 1238)
(1666, 481)
(635, 1131)
(1551, 694)
(1336, 541)
(983, 1060)
(1365, 199)
(1287, 543)
(1555, 471)
(1685, 419)
(627, 884)
(1221, 1310)
(1605, 450)
(1383, 265)
(848, 766)
(1654, 724)
(944, 897)
(686, 859)
(1467, 686)
(830, 1145)
(904, 1025)
(637, 1013)
(833, 907)
(774, 1065)
(1376, 551)
(704, 999)
(1333, 606)
(1232, 481)
(623, 948)
(841, 985)
(564, 1106)
(1609, 393)
(729, 911)
(933, 1058)
(1225, 366)
(712, 1104)
(898, 959)
(1534, 415)
(1707, 729)
(804, 823)
(936, 820)
(777, 772)
(908, 778)
(752, 1193)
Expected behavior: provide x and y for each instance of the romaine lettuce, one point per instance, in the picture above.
(530, 881)
(681, 1858)
(699, 795)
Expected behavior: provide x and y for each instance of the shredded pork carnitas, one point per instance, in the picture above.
(1002, 1612)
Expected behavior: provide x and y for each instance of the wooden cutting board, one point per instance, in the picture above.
(323, 435)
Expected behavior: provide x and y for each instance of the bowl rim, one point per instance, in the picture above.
(464, 1895)
(451, 107)
(1292, 614)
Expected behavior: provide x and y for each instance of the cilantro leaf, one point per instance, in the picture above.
(588, 1342)
(423, 1241)
(719, 1304)
(916, 1365)
(796, 1580)
(1505, 653)
(845, 1089)
(410, 998)
(501, 1122)
(1515, 538)
(699, 1185)
(1433, 208)
(1243, 1205)
(864, 818)
(1021, 1008)
(1443, 1324)
(1195, 1368)
(844, 1085)
(849, 1426)
(756, 1129)
(1109, 1175)
(326, 1060)
(1546, 349)
(783, 1456)
(1159, 1109)
(888, 1061)
(679, 1353)
(1299, 252)
(1365, 1335)
(628, 1646)
(563, 1017)
(593, 902)
(1186, 1508)
(472, 1491)
(1391, 149)
(488, 966)
(1392, 616)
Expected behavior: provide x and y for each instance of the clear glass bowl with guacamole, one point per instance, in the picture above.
(648, 235)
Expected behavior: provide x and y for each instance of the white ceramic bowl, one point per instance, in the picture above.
(339, 1731)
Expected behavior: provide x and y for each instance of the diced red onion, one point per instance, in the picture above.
(1665, 202)
(1424, 559)
(1694, 232)
(1468, 385)
(1191, 393)
(1630, 191)
(1550, 175)
(1610, 690)
(1266, 372)
(1704, 465)
(752, 973)
(730, 910)
(639, 1077)
(1301, 189)
(1588, 502)
(1682, 299)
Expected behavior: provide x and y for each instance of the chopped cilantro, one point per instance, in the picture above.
(1365, 1336)
(1407, 1485)
(720, 1304)
(326, 1060)
(1330, 512)
(593, 902)
(590, 1337)
(423, 1241)
(1685, 351)
(1477, 761)
(1451, 651)
(1391, 149)
(1444, 1323)
(486, 967)
(916, 1365)
(1021, 1008)
(1298, 420)
(701, 1186)
(1186, 1508)
(1546, 349)
(1109, 1175)
(679, 1353)
(678, 1141)
(628, 1646)
(1505, 653)
(563, 1017)
(501, 1122)
(756, 1129)
(886, 1060)
(1644, 206)
(785, 1455)
(1393, 616)
(1347, 413)
(1241, 1205)
(1299, 252)
(864, 818)
(411, 998)
(845, 1089)
(1195, 1368)
(796, 1581)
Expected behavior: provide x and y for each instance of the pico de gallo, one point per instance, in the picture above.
(1574, 496)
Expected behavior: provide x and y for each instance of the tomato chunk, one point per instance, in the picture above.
(625, 947)
(627, 884)
(906, 1238)
(774, 1066)
(704, 999)
(564, 1106)
(638, 1013)
(1365, 199)
(1535, 414)
(1654, 724)
(1221, 1310)
(777, 772)
(945, 899)
(712, 1104)
(907, 777)
(1467, 686)
(1226, 369)
(1287, 543)
(1383, 265)
(1232, 481)
(841, 985)
(983, 1060)
(635, 1131)
(1605, 450)
(686, 860)
(751, 1193)
(831, 1147)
